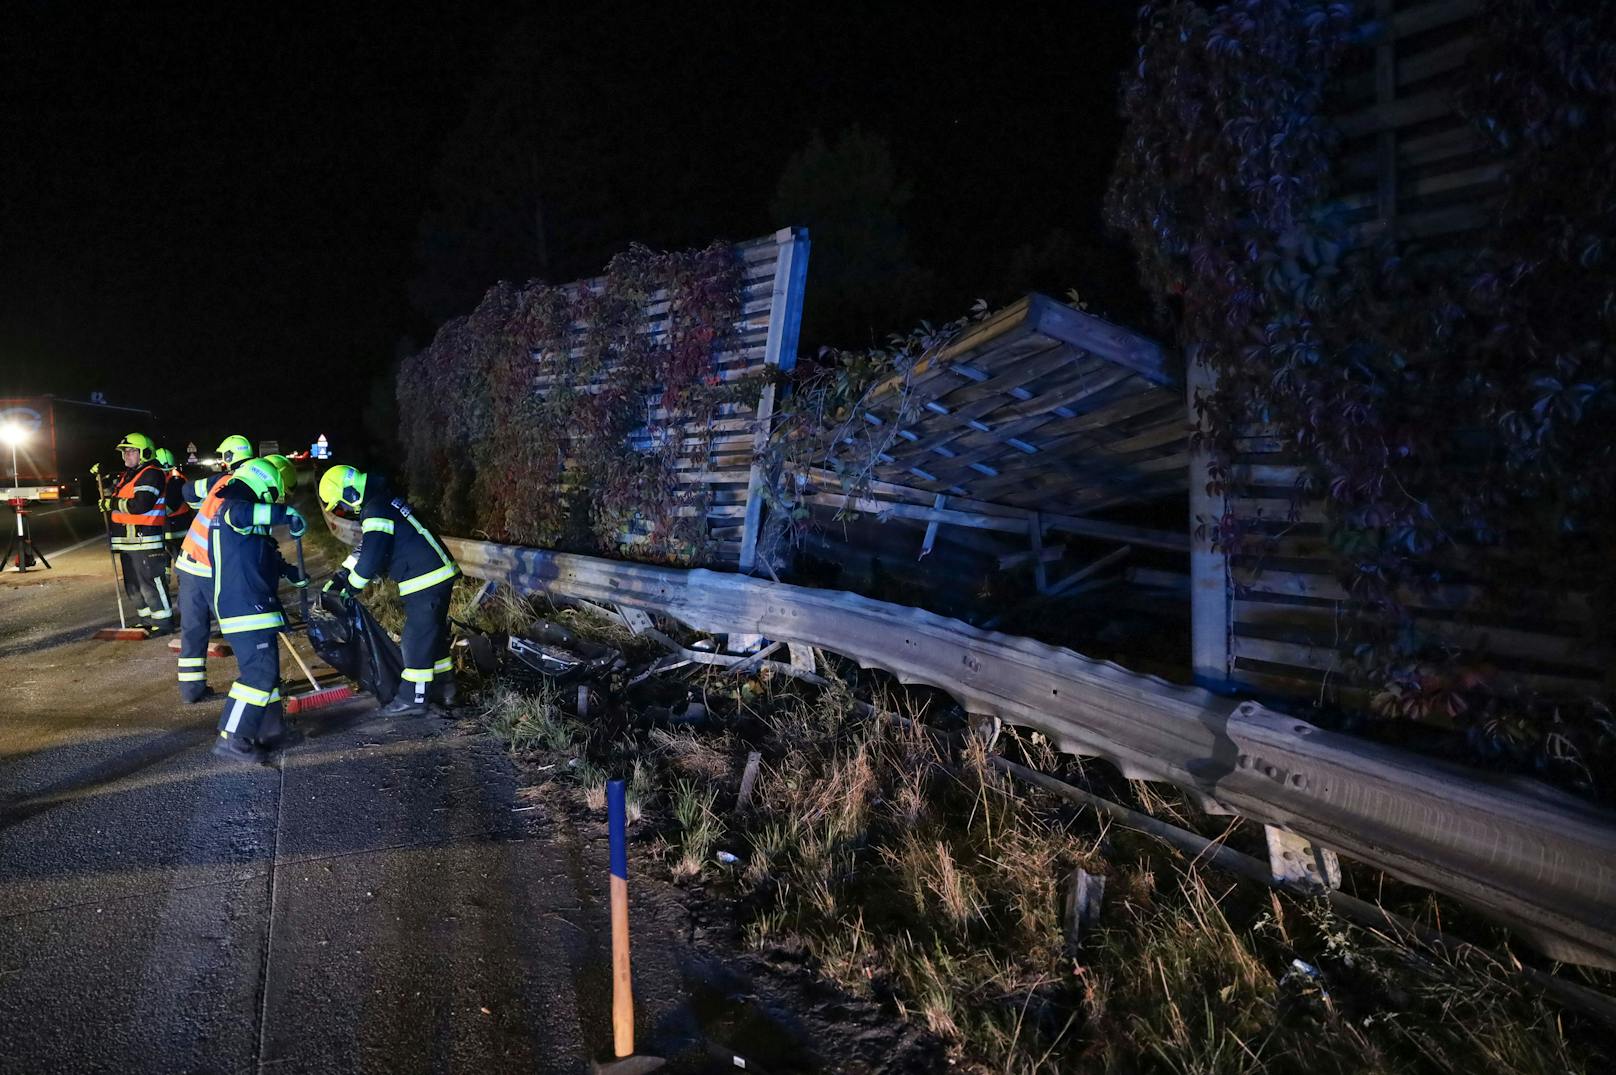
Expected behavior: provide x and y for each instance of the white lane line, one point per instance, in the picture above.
(76, 548)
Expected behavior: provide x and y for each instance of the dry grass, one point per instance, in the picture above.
(529, 721)
(936, 881)
(923, 876)
(700, 825)
(692, 756)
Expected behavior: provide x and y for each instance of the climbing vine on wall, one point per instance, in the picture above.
(1451, 414)
(566, 417)
(834, 428)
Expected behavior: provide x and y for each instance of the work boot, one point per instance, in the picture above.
(286, 740)
(201, 694)
(403, 705)
(237, 748)
(445, 691)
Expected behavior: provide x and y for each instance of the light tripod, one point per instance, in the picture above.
(22, 546)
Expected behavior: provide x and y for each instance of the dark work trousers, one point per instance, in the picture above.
(253, 708)
(144, 582)
(425, 641)
(196, 622)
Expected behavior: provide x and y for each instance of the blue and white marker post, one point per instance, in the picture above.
(622, 978)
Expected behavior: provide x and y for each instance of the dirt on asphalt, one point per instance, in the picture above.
(379, 899)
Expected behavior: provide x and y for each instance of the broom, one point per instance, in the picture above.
(317, 697)
(123, 632)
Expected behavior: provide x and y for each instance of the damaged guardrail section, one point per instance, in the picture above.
(1537, 860)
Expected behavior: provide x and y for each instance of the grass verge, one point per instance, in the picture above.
(907, 869)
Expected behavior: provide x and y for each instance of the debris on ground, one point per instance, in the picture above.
(832, 834)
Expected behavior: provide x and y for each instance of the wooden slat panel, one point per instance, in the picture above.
(1331, 661)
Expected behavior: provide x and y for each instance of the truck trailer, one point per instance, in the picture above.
(47, 445)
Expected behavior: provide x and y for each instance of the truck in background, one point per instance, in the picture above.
(56, 441)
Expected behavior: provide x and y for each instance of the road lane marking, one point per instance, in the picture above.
(76, 548)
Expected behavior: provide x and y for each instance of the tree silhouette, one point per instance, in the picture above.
(862, 281)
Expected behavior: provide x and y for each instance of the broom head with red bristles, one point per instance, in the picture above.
(320, 699)
(121, 634)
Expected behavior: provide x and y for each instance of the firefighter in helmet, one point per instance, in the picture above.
(394, 542)
(247, 570)
(174, 502)
(193, 567)
(137, 518)
(233, 451)
(287, 471)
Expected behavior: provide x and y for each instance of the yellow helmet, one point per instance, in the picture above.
(342, 485)
(234, 451)
(262, 478)
(164, 457)
(288, 473)
(141, 443)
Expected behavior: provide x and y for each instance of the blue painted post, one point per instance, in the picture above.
(622, 980)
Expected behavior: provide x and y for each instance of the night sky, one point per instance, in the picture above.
(215, 213)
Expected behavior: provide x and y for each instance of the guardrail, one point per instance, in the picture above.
(1535, 859)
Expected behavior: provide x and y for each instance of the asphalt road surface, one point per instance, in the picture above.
(372, 902)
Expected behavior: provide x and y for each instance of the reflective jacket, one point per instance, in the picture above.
(247, 563)
(393, 542)
(179, 510)
(138, 516)
(205, 495)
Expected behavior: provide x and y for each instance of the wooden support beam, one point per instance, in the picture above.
(1100, 337)
(779, 353)
(1012, 560)
(1210, 653)
(1008, 520)
(1084, 572)
(1035, 537)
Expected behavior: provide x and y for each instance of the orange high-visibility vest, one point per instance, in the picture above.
(156, 517)
(195, 544)
(177, 508)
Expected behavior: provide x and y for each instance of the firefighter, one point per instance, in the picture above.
(174, 502)
(233, 451)
(137, 518)
(288, 473)
(393, 542)
(247, 570)
(193, 568)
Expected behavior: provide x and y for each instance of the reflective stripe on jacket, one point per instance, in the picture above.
(138, 515)
(393, 542)
(194, 556)
(247, 563)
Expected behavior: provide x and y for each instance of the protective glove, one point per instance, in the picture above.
(296, 523)
(338, 584)
(291, 574)
(105, 505)
(95, 468)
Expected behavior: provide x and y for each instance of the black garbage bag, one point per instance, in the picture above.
(348, 638)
